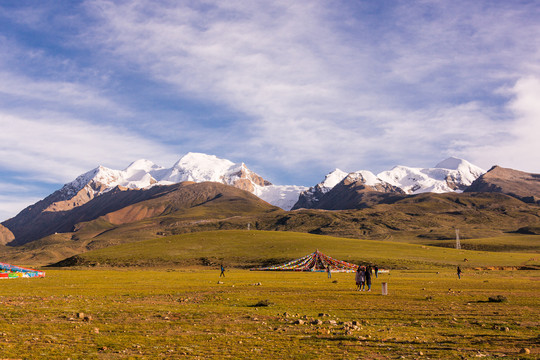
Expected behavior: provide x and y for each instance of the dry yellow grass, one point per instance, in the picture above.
(149, 314)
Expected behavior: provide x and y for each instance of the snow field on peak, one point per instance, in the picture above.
(200, 167)
(367, 177)
(332, 179)
(437, 179)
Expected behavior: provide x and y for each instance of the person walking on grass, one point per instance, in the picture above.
(459, 272)
(329, 271)
(376, 268)
(368, 277)
(222, 271)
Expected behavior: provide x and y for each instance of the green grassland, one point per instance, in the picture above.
(507, 243)
(164, 299)
(245, 249)
(194, 314)
(425, 219)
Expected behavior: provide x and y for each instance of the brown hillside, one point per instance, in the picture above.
(120, 206)
(425, 216)
(521, 185)
(5, 235)
(425, 219)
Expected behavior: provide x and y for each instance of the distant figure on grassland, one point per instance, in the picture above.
(358, 278)
(376, 268)
(459, 272)
(222, 271)
(368, 277)
(329, 271)
(361, 278)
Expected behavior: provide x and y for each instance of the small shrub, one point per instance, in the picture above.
(262, 303)
(498, 298)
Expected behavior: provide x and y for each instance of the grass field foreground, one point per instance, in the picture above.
(150, 314)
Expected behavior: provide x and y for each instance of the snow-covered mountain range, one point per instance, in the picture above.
(195, 167)
(450, 175)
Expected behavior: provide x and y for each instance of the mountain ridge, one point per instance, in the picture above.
(110, 195)
(450, 175)
(120, 205)
(521, 185)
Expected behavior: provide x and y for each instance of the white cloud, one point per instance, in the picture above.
(58, 149)
(68, 95)
(518, 146)
(318, 84)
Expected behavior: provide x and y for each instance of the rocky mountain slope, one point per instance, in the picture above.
(6, 235)
(359, 190)
(119, 206)
(141, 174)
(309, 198)
(521, 185)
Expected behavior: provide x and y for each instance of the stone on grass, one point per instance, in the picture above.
(524, 351)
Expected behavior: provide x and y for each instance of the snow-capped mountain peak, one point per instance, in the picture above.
(199, 167)
(195, 167)
(332, 179)
(364, 176)
(452, 174)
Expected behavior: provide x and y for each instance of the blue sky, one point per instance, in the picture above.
(293, 89)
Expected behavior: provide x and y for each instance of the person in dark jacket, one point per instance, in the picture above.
(368, 277)
(459, 272)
